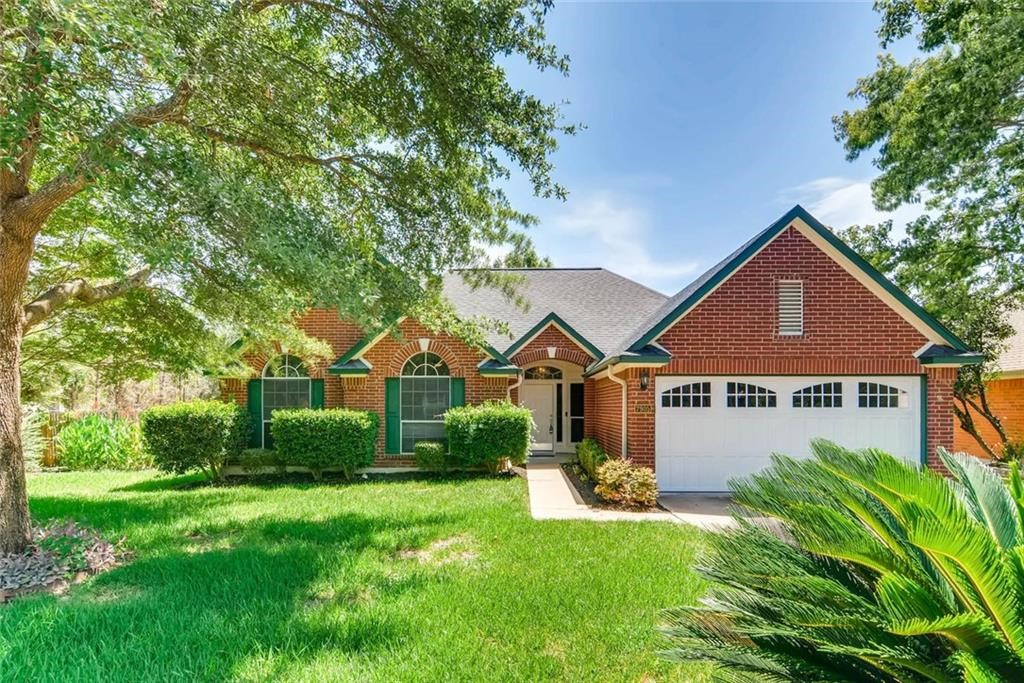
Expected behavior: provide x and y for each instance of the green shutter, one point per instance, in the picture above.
(316, 393)
(458, 397)
(254, 401)
(392, 415)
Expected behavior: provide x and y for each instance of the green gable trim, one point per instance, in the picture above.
(353, 353)
(767, 236)
(965, 359)
(356, 368)
(651, 359)
(553, 318)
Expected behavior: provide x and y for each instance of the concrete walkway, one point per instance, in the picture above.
(553, 497)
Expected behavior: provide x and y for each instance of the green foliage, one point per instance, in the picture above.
(1013, 451)
(591, 456)
(253, 460)
(431, 456)
(620, 481)
(949, 127)
(97, 442)
(872, 569)
(488, 433)
(33, 444)
(194, 435)
(318, 439)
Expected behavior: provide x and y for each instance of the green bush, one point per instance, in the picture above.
(431, 456)
(195, 435)
(319, 439)
(33, 443)
(591, 455)
(96, 442)
(252, 460)
(486, 434)
(872, 569)
(622, 482)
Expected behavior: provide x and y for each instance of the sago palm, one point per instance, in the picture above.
(864, 567)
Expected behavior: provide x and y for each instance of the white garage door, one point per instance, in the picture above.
(711, 429)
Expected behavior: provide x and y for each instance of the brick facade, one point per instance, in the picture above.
(1006, 400)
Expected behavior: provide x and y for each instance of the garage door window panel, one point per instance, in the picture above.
(878, 395)
(824, 395)
(695, 395)
(741, 395)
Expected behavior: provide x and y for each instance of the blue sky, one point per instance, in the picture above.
(704, 123)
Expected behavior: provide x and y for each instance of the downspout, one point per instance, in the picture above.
(622, 383)
(520, 375)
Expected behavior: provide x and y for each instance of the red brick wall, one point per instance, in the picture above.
(1006, 400)
(387, 358)
(606, 424)
(847, 330)
(565, 349)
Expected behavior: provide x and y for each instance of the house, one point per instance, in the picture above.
(1005, 395)
(792, 336)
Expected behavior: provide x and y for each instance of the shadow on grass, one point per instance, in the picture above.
(201, 608)
(161, 483)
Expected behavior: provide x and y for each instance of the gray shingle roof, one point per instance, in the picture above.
(1012, 359)
(600, 305)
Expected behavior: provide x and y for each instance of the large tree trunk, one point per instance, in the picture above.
(15, 255)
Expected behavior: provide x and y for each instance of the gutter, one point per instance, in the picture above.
(622, 383)
(520, 376)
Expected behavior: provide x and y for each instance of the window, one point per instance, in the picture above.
(285, 385)
(696, 395)
(791, 308)
(426, 394)
(542, 372)
(740, 395)
(827, 395)
(576, 412)
(875, 395)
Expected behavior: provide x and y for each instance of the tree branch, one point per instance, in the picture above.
(33, 209)
(79, 290)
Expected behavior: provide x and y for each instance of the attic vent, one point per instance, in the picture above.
(791, 307)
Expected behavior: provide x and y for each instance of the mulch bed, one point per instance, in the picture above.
(61, 554)
(584, 486)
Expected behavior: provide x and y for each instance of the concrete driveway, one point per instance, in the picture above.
(705, 510)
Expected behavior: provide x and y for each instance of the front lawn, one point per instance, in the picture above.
(400, 580)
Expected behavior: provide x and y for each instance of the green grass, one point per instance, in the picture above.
(304, 582)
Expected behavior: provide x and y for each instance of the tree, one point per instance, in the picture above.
(213, 166)
(947, 130)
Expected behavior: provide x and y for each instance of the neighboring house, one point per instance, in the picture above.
(1005, 395)
(791, 337)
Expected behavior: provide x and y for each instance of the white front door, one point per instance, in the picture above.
(711, 429)
(540, 399)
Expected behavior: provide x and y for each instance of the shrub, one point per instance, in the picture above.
(591, 455)
(1013, 450)
(873, 568)
(486, 434)
(194, 435)
(318, 439)
(96, 442)
(431, 455)
(252, 460)
(33, 442)
(622, 482)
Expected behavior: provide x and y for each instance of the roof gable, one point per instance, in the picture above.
(553, 320)
(683, 302)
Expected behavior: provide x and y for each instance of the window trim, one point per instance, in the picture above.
(402, 377)
(790, 312)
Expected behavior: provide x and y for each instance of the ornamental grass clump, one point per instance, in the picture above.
(870, 569)
(591, 456)
(321, 439)
(98, 442)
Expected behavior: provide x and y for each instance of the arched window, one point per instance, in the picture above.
(426, 395)
(876, 395)
(741, 395)
(542, 372)
(696, 395)
(825, 395)
(285, 385)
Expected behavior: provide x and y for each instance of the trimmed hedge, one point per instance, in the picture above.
(319, 439)
(194, 435)
(487, 434)
(591, 456)
(431, 456)
(622, 482)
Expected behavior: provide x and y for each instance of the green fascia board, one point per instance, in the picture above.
(648, 359)
(361, 345)
(566, 327)
(499, 372)
(768, 235)
(497, 355)
(963, 359)
(356, 367)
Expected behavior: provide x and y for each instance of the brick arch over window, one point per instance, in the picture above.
(574, 356)
(398, 360)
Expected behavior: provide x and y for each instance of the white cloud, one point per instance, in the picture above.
(840, 202)
(602, 229)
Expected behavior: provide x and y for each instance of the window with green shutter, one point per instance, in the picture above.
(254, 403)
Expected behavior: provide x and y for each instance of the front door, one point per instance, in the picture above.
(540, 399)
